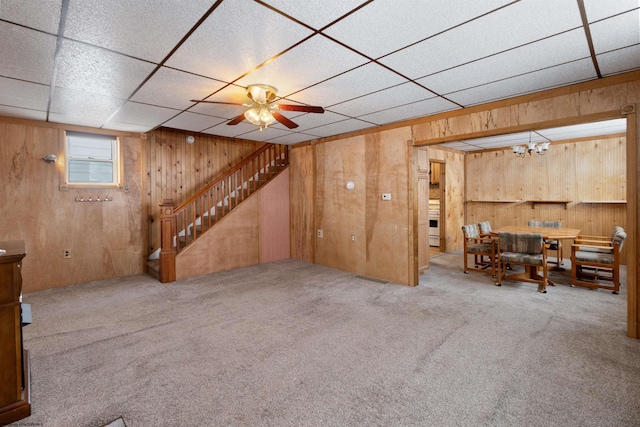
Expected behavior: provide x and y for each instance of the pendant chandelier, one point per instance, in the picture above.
(539, 148)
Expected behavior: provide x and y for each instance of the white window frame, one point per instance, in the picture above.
(114, 161)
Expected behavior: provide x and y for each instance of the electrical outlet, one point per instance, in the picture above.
(386, 196)
(353, 237)
(66, 254)
(320, 234)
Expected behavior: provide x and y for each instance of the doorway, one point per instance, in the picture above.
(436, 207)
(430, 174)
(632, 123)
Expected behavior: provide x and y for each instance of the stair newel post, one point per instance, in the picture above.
(167, 232)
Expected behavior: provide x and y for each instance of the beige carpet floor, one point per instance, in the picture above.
(295, 344)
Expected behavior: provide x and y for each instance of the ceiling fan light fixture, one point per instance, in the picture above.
(266, 117)
(261, 93)
(261, 111)
(253, 115)
(259, 116)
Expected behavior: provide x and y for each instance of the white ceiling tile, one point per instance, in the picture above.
(306, 121)
(504, 140)
(146, 29)
(265, 134)
(226, 112)
(127, 127)
(606, 127)
(388, 98)
(234, 131)
(175, 89)
(599, 9)
(458, 146)
(99, 71)
(194, 122)
(237, 37)
(361, 81)
(384, 26)
(232, 93)
(614, 33)
(39, 14)
(22, 94)
(349, 125)
(619, 61)
(292, 138)
(503, 53)
(23, 113)
(142, 114)
(552, 51)
(76, 119)
(315, 13)
(410, 111)
(26, 54)
(573, 72)
(82, 108)
(512, 26)
(315, 60)
(594, 129)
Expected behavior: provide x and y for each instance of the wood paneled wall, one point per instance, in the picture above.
(105, 239)
(583, 172)
(340, 213)
(361, 232)
(302, 169)
(579, 103)
(177, 170)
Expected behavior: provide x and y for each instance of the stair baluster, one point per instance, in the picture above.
(184, 224)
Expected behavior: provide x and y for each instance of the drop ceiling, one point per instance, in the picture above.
(135, 65)
(594, 129)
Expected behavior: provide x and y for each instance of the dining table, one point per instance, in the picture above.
(548, 233)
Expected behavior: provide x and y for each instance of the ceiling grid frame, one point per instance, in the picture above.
(361, 91)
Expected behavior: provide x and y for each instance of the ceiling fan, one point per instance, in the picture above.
(262, 112)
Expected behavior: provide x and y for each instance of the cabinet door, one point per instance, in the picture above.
(10, 357)
(435, 173)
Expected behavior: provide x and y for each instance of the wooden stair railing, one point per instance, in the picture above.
(201, 211)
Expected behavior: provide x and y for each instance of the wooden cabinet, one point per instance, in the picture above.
(435, 173)
(14, 402)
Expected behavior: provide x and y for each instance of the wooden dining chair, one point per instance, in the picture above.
(596, 259)
(480, 247)
(485, 228)
(554, 245)
(528, 250)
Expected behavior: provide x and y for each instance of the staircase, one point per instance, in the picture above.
(182, 225)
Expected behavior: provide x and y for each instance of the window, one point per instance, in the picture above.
(92, 160)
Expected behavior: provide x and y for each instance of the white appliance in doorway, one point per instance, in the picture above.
(434, 223)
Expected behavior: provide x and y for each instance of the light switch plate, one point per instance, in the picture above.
(386, 196)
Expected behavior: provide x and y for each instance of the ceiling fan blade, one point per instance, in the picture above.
(216, 102)
(304, 108)
(236, 120)
(282, 119)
